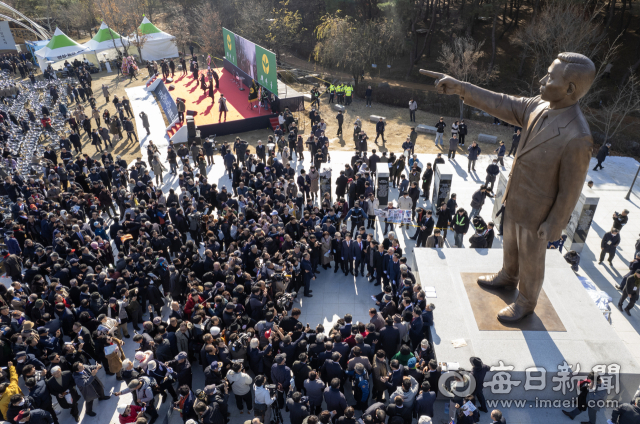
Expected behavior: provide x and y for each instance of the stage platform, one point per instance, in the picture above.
(566, 330)
(198, 100)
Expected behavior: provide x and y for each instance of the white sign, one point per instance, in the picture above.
(6, 38)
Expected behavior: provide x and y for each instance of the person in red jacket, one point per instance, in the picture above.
(129, 413)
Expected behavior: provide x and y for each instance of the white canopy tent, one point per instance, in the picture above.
(157, 44)
(105, 43)
(61, 48)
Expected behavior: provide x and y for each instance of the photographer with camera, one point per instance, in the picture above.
(281, 376)
(264, 398)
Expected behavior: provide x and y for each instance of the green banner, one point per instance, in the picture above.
(229, 39)
(267, 70)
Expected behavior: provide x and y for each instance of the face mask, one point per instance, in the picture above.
(21, 403)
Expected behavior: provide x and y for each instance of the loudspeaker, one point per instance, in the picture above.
(191, 127)
(191, 113)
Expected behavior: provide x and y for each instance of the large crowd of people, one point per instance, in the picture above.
(206, 277)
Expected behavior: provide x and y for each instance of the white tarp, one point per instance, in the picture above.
(105, 42)
(157, 44)
(61, 48)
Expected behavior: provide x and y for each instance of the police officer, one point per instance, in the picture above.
(332, 92)
(347, 91)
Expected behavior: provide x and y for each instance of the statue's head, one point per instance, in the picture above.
(568, 79)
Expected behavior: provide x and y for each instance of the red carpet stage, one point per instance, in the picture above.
(195, 99)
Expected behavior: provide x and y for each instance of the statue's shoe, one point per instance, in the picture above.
(514, 312)
(497, 281)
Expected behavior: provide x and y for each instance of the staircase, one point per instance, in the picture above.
(153, 78)
(174, 128)
(274, 122)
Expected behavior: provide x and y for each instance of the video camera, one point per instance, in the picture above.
(286, 301)
(272, 389)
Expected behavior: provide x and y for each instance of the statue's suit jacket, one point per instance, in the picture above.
(551, 165)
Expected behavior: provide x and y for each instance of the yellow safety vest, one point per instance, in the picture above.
(332, 89)
(348, 91)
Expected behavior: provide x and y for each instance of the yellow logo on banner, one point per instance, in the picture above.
(229, 46)
(265, 63)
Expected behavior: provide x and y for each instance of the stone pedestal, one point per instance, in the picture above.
(486, 138)
(442, 178)
(580, 221)
(498, 189)
(540, 358)
(426, 129)
(382, 177)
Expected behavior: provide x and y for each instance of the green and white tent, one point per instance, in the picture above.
(105, 42)
(157, 44)
(59, 48)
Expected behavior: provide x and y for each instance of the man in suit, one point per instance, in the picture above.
(435, 240)
(546, 178)
(423, 404)
(496, 416)
(78, 234)
(389, 338)
(415, 328)
(609, 243)
(376, 318)
(61, 384)
(360, 246)
(348, 254)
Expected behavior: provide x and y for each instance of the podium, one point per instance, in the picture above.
(383, 184)
(442, 178)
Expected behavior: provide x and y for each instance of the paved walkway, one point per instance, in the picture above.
(336, 295)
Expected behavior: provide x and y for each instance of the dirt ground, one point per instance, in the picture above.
(129, 150)
(397, 129)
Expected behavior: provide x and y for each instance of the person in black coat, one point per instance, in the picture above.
(298, 411)
(59, 384)
(602, 155)
(341, 185)
(380, 130)
(40, 396)
(479, 371)
(609, 243)
(631, 290)
(389, 338)
(633, 267)
(423, 405)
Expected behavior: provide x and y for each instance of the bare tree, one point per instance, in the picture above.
(209, 29)
(610, 117)
(561, 27)
(351, 45)
(178, 26)
(461, 58)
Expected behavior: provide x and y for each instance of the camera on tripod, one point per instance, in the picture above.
(272, 389)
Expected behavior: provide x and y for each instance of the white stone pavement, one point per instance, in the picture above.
(336, 295)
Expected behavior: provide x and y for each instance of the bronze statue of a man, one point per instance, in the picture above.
(548, 171)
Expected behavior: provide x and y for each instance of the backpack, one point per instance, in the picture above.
(362, 382)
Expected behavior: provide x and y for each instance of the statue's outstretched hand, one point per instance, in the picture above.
(444, 83)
